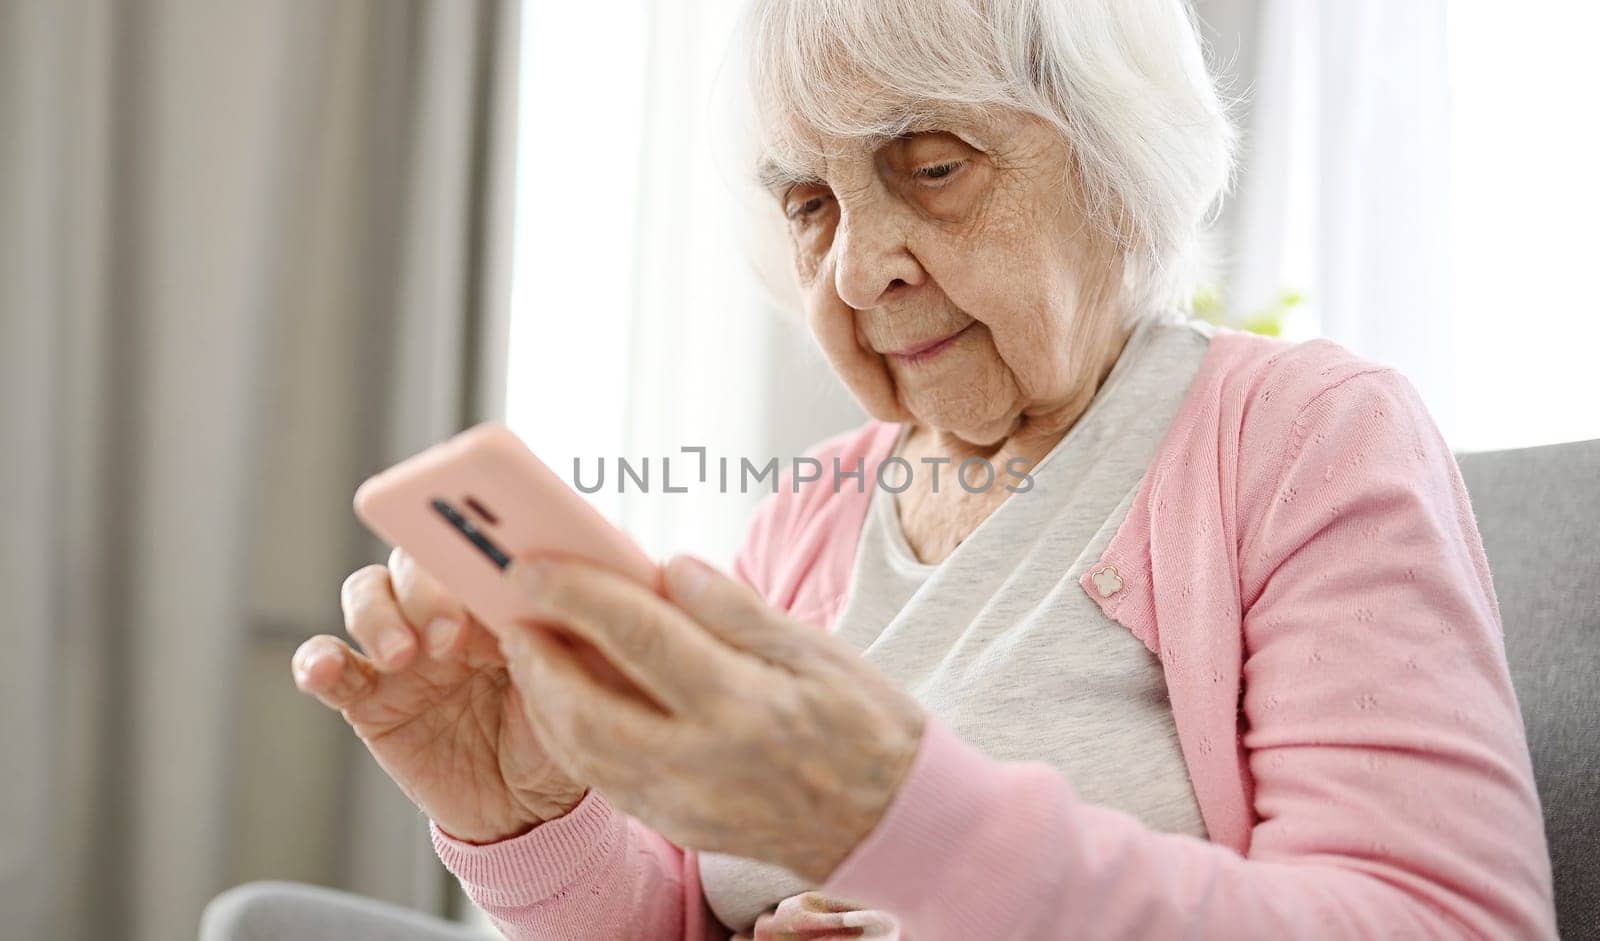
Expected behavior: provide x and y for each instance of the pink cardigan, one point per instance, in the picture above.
(1303, 559)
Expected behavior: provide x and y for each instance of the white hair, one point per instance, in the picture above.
(1124, 81)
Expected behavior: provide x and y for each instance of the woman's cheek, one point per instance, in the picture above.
(811, 241)
(807, 264)
(863, 372)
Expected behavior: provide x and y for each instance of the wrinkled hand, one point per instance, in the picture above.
(812, 916)
(749, 732)
(430, 697)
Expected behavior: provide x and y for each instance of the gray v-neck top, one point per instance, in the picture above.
(1000, 641)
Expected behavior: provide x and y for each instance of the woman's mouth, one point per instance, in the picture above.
(922, 352)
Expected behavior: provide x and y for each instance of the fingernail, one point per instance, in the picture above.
(689, 576)
(303, 665)
(391, 644)
(441, 633)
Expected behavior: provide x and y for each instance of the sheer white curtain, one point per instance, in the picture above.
(1415, 170)
(639, 324)
(1342, 191)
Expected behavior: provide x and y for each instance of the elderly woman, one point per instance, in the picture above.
(1224, 661)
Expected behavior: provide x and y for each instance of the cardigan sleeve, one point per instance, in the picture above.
(1393, 793)
(593, 873)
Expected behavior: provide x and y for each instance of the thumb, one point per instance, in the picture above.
(731, 611)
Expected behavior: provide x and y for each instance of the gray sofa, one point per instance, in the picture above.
(1538, 511)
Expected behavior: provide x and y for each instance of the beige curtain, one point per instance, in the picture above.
(250, 252)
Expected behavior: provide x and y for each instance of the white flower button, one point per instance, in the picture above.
(1107, 581)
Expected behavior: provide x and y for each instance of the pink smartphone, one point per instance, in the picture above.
(466, 507)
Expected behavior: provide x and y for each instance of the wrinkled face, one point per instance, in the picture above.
(949, 273)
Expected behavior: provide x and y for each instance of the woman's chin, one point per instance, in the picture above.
(976, 430)
(960, 409)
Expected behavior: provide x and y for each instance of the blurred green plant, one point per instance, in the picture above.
(1210, 303)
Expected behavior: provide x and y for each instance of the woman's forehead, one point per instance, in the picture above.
(797, 147)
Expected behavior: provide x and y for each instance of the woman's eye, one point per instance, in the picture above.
(938, 171)
(800, 209)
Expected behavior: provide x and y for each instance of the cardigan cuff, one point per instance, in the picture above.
(926, 829)
(535, 866)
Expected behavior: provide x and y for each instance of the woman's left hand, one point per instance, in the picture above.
(766, 738)
(812, 916)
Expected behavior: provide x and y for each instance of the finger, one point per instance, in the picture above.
(648, 640)
(831, 924)
(372, 617)
(770, 927)
(811, 912)
(474, 645)
(427, 605)
(328, 669)
(817, 902)
(568, 708)
(736, 615)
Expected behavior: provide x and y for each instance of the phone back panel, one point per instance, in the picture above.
(486, 481)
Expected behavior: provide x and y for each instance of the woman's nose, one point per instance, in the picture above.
(872, 260)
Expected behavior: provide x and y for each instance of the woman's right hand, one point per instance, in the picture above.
(429, 694)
